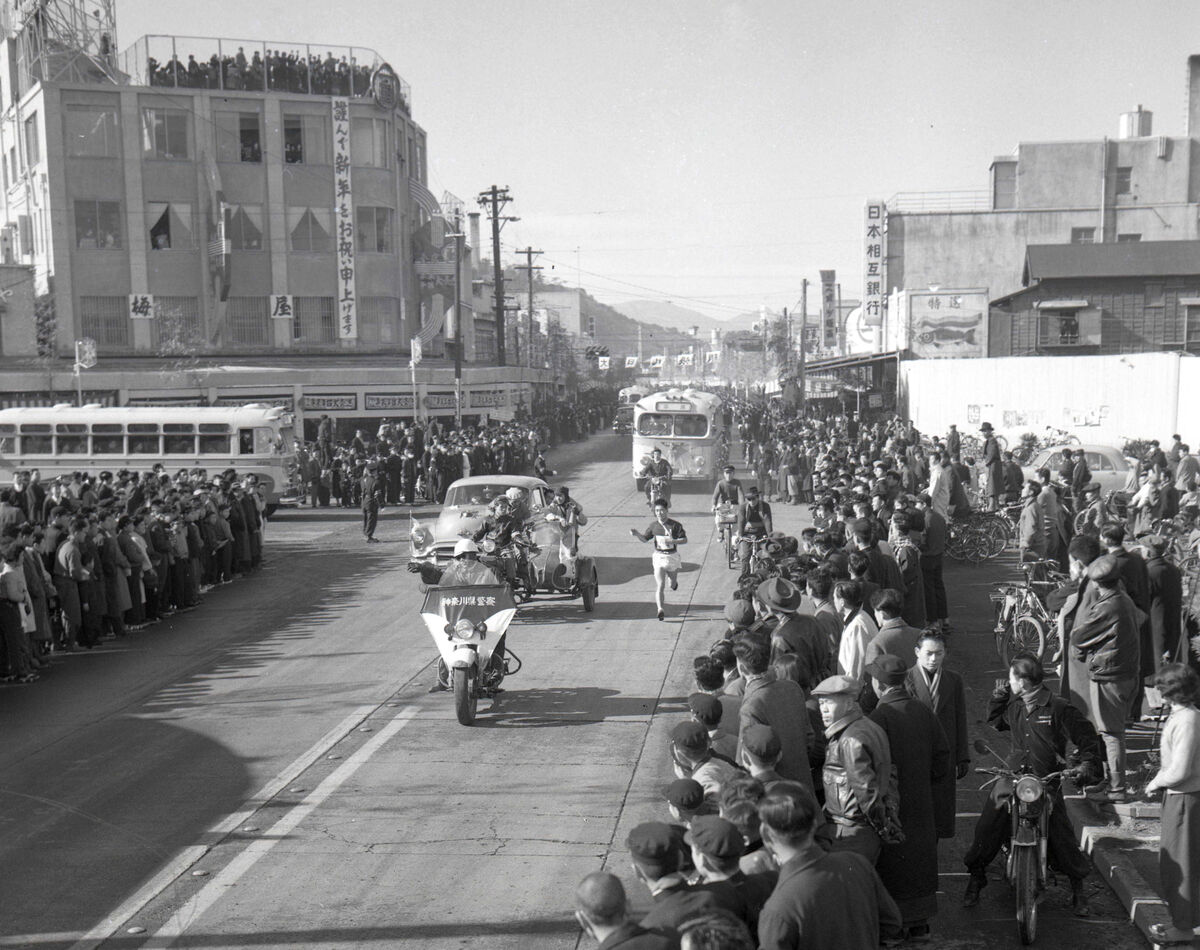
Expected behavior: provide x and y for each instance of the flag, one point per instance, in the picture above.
(712, 356)
(602, 362)
(631, 362)
(683, 359)
(656, 362)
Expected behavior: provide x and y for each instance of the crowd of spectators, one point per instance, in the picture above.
(286, 71)
(90, 557)
(817, 767)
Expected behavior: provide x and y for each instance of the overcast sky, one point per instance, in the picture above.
(715, 152)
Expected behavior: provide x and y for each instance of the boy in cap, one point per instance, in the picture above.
(709, 712)
(695, 759)
(709, 674)
(655, 853)
(685, 800)
(761, 752)
(717, 847)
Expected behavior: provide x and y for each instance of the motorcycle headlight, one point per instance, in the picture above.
(1028, 789)
(489, 546)
(420, 537)
(464, 629)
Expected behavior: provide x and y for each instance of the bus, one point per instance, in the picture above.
(689, 426)
(630, 395)
(58, 440)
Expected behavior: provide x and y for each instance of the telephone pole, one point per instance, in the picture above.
(529, 267)
(494, 201)
(803, 338)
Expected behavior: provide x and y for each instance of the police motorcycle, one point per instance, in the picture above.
(468, 622)
(1029, 805)
(513, 561)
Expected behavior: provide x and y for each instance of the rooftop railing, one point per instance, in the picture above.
(934, 202)
(195, 62)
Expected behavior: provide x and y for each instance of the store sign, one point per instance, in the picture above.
(341, 402)
(141, 306)
(281, 307)
(438, 401)
(19, 399)
(487, 398)
(388, 401)
(237, 399)
(343, 213)
(829, 314)
(874, 301)
(947, 323)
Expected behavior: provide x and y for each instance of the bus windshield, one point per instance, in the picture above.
(654, 424)
(691, 426)
(662, 424)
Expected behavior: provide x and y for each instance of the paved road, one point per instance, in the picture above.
(270, 771)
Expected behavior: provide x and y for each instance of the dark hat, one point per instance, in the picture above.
(760, 740)
(751, 490)
(1091, 486)
(986, 427)
(739, 613)
(1104, 569)
(685, 794)
(838, 686)
(690, 736)
(888, 669)
(728, 468)
(1155, 543)
(706, 706)
(653, 843)
(716, 837)
(779, 594)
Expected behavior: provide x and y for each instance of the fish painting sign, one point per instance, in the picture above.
(947, 323)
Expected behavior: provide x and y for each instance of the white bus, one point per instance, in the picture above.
(59, 440)
(689, 426)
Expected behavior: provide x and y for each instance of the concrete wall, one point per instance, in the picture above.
(1101, 399)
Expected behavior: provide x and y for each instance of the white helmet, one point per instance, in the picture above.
(465, 546)
(514, 494)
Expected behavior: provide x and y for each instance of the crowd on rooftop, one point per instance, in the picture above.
(282, 70)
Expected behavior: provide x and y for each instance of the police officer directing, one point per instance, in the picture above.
(373, 490)
(1041, 725)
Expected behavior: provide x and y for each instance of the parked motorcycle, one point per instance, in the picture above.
(1029, 804)
(468, 626)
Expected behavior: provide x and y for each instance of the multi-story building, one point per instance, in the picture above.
(199, 198)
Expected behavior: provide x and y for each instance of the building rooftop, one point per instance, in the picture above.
(1131, 259)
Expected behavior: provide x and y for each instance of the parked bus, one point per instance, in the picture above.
(630, 395)
(253, 439)
(689, 427)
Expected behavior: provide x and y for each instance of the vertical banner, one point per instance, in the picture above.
(874, 301)
(343, 211)
(829, 314)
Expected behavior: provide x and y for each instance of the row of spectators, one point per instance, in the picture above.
(287, 71)
(86, 559)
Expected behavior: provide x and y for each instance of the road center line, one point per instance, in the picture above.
(219, 886)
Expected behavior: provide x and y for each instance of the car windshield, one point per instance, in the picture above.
(464, 496)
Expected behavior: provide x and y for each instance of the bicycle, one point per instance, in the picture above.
(725, 516)
(1023, 622)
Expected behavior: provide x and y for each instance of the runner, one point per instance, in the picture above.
(668, 534)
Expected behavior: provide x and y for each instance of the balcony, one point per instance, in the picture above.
(939, 202)
(194, 62)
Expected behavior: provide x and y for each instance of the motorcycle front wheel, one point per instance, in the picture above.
(466, 695)
(1025, 882)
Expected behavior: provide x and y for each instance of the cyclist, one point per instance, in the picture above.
(754, 521)
(729, 489)
(668, 534)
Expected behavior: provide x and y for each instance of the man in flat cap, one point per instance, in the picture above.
(993, 464)
(918, 746)
(373, 491)
(857, 774)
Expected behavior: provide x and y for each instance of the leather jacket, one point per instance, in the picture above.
(858, 772)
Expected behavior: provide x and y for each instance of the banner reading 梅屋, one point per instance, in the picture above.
(343, 212)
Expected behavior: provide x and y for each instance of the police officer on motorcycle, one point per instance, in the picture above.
(1041, 724)
(465, 571)
(500, 528)
(657, 467)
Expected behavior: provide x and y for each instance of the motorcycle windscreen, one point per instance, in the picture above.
(491, 603)
(546, 535)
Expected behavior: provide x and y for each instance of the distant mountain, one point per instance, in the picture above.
(666, 314)
(619, 331)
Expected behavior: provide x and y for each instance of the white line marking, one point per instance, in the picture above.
(189, 856)
(229, 875)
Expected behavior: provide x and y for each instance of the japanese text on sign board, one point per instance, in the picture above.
(141, 306)
(343, 210)
(281, 307)
(874, 300)
(829, 309)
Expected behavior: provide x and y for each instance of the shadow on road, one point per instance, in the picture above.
(543, 708)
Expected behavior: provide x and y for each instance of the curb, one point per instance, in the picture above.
(1111, 854)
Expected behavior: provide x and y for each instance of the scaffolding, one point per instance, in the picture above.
(63, 41)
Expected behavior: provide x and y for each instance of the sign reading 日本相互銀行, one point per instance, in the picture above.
(874, 299)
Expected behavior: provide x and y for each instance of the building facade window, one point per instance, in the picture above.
(369, 141)
(1124, 180)
(91, 132)
(311, 229)
(166, 134)
(1068, 327)
(33, 147)
(1083, 235)
(1155, 294)
(306, 140)
(97, 224)
(313, 320)
(249, 323)
(244, 228)
(178, 329)
(170, 226)
(373, 227)
(378, 320)
(1128, 238)
(239, 136)
(105, 320)
(1191, 329)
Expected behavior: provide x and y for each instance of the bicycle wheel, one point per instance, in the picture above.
(1026, 634)
(995, 534)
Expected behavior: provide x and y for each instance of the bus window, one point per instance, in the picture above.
(72, 439)
(108, 438)
(8, 439)
(654, 424)
(179, 438)
(214, 438)
(245, 441)
(265, 442)
(36, 439)
(691, 426)
(143, 438)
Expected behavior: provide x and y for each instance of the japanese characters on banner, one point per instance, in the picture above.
(141, 306)
(874, 301)
(343, 212)
(829, 314)
(281, 307)
(630, 362)
(603, 362)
